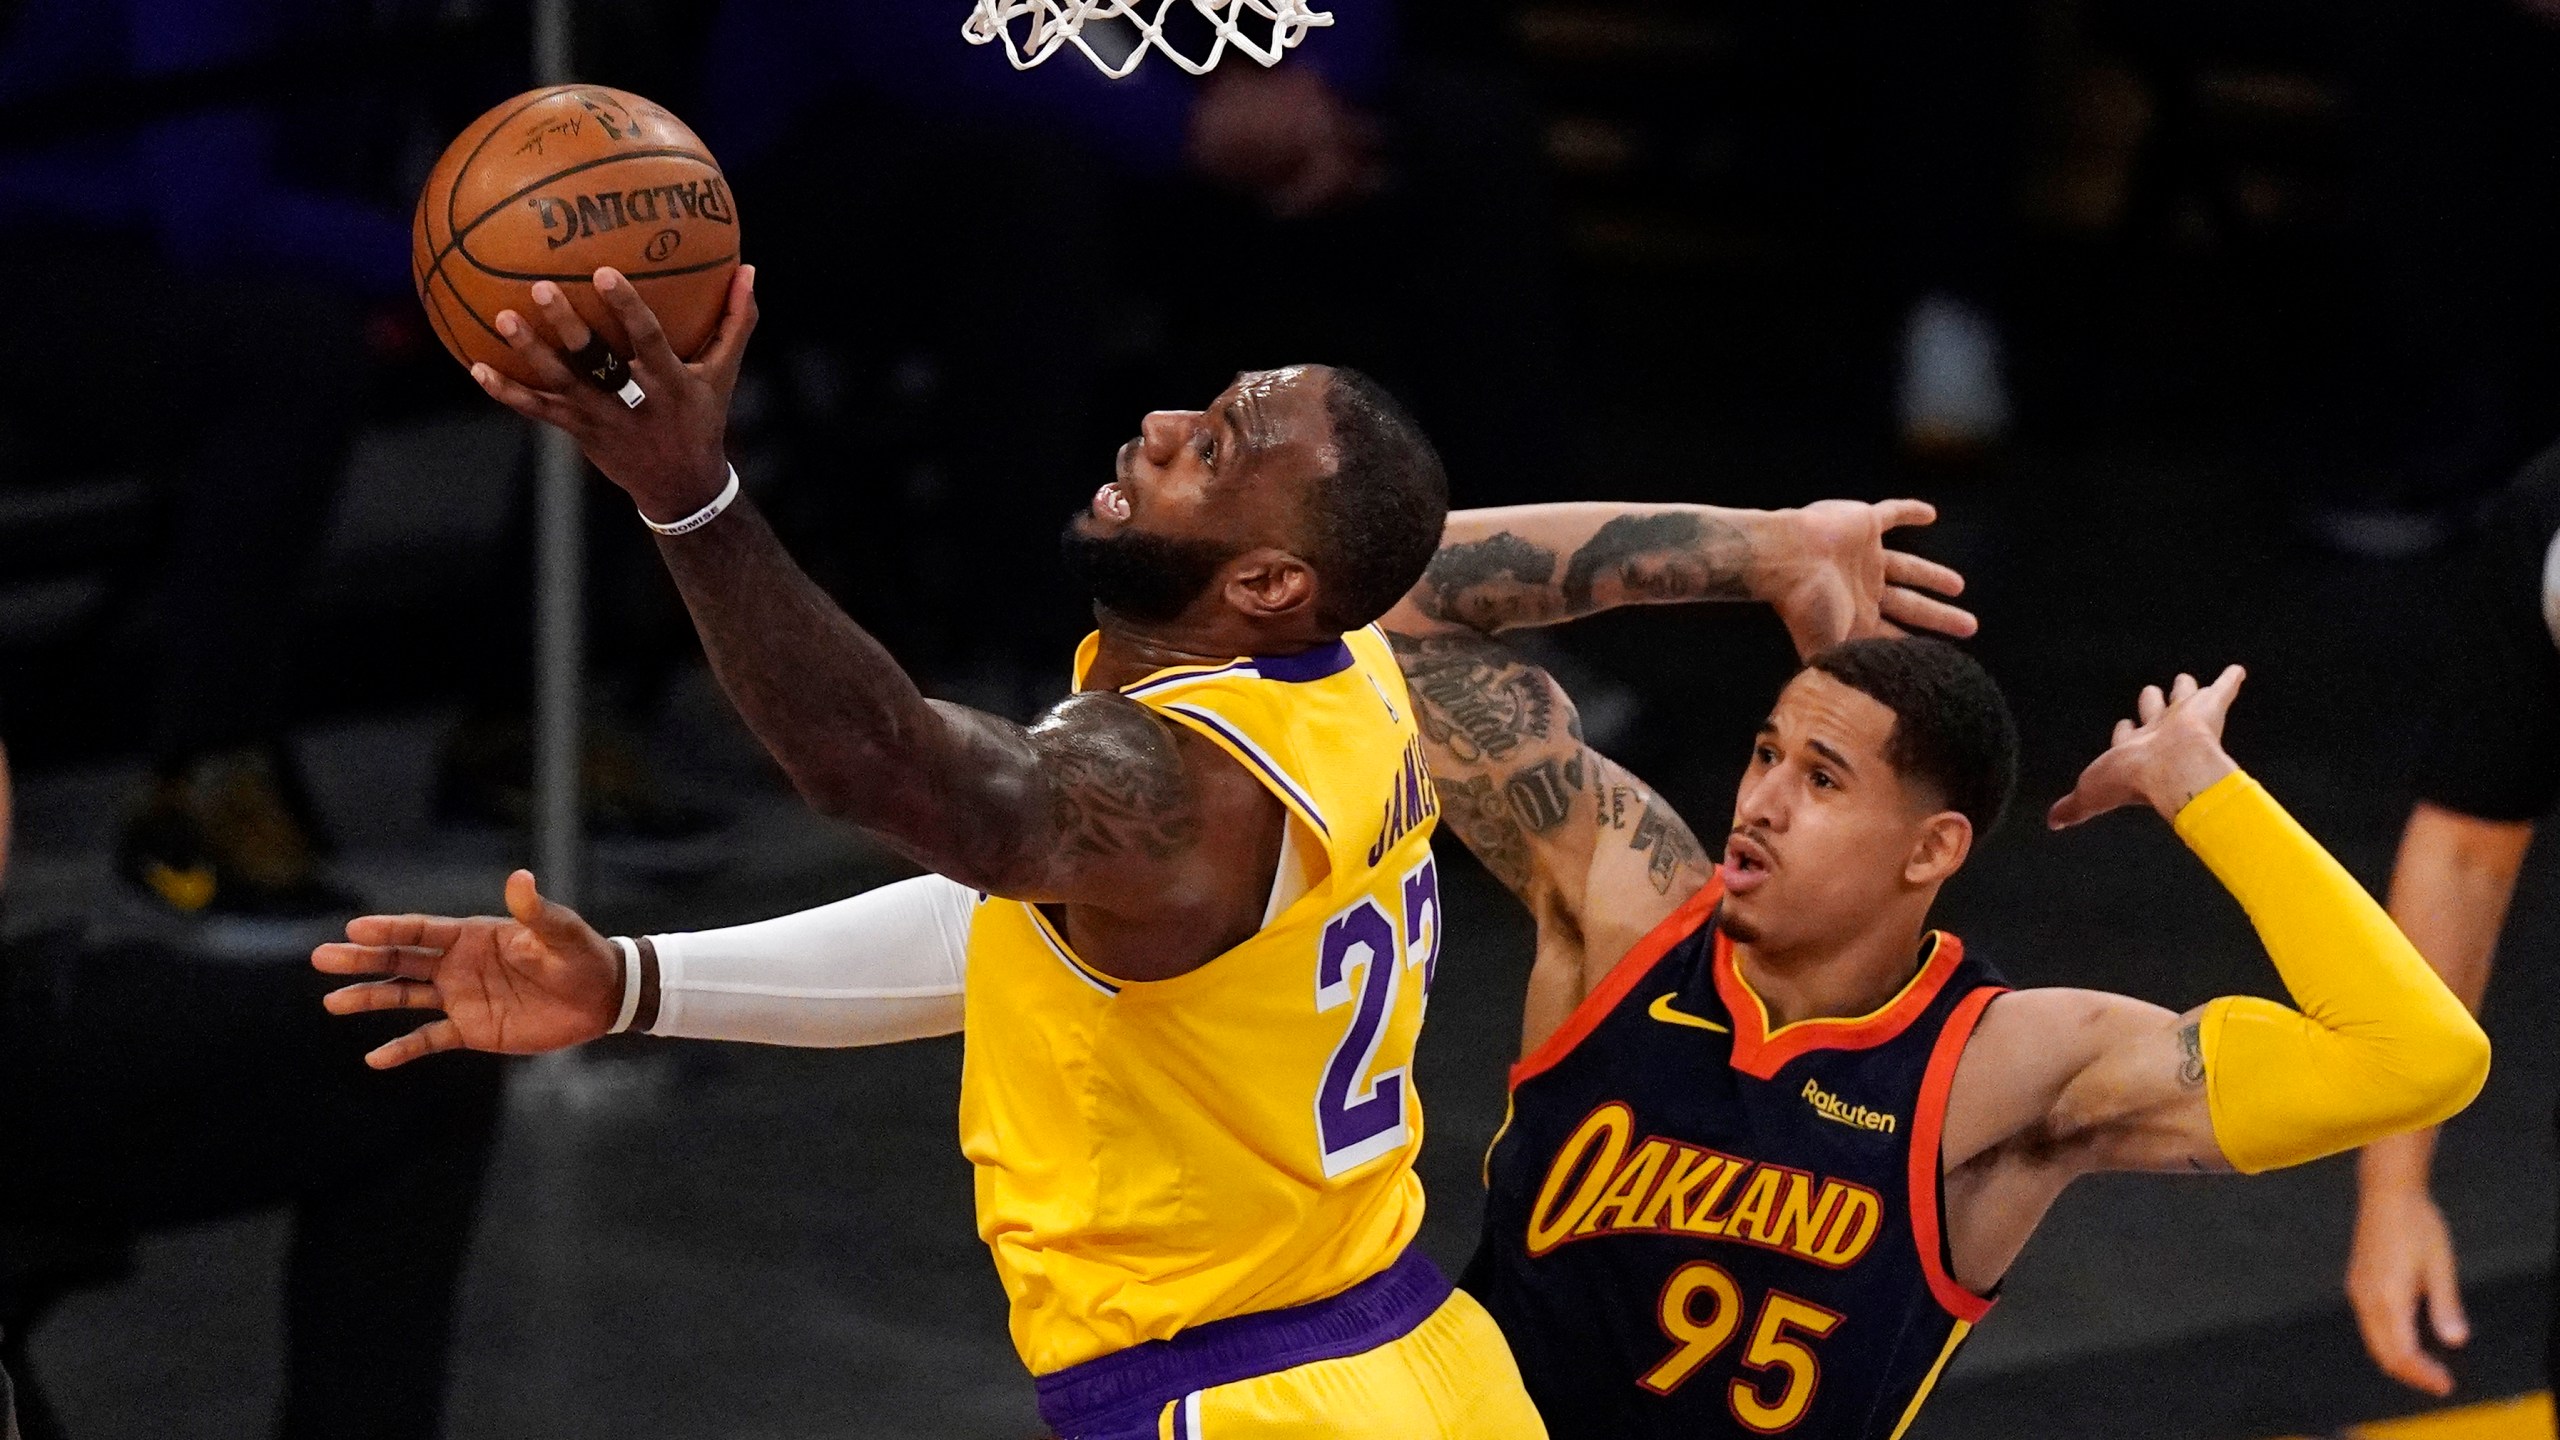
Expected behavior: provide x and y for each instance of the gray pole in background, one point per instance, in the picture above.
(559, 618)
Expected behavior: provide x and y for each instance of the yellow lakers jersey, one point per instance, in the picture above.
(1153, 1155)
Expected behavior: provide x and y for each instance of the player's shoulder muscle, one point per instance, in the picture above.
(1119, 779)
(1128, 794)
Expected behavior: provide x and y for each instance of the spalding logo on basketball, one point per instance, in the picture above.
(551, 185)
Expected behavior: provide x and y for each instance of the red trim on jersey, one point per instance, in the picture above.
(1928, 1126)
(1761, 1053)
(1624, 976)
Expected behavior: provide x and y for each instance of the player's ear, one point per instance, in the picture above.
(1266, 582)
(1945, 839)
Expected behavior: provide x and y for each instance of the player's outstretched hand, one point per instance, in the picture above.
(2403, 1263)
(1843, 583)
(666, 451)
(2164, 759)
(539, 980)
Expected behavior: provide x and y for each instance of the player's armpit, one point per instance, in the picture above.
(2056, 1084)
(2075, 1081)
(1598, 857)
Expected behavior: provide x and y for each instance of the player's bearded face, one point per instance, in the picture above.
(1148, 578)
(1186, 494)
(1823, 827)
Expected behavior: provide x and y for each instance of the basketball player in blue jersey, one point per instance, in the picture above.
(1772, 1141)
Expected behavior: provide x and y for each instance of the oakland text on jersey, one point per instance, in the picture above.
(1604, 1183)
(1701, 1225)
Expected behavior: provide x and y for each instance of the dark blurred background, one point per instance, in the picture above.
(2208, 326)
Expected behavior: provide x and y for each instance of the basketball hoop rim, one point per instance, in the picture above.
(1057, 24)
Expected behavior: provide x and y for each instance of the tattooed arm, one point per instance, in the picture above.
(1592, 850)
(1597, 856)
(1098, 803)
(1823, 568)
(1161, 846)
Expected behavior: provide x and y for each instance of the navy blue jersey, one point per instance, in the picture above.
(1698, 1227)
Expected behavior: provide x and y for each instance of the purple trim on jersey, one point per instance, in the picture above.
(1122, 1395)
(1185, 678)
(1306, 665)
(1041, 925)
(1264, 763)
(1298, 669)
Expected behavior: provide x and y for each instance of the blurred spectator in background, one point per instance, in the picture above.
(144, 1087)
(8, 1391)
(1905, 121)
(179, 300)
(2455, 218)
(1950, 86)
(986, 236)
(2488, 772)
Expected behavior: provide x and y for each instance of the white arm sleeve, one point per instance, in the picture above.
(886, 965)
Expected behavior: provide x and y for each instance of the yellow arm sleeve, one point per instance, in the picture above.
(2379, 1045)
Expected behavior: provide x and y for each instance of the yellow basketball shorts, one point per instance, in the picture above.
(1449, 1378)
(1399, 1356)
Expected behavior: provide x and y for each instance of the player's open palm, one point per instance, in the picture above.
(1844, 583)
(2163, 758)
(540, 979)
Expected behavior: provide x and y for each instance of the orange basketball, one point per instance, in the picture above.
(554, 183)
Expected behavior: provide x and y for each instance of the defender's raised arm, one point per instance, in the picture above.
(1596, 855)
(1824, 568)
(2375, 1045)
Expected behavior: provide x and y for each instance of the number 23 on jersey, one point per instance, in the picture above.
(1361, 967)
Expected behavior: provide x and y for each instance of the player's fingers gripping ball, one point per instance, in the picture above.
(551, 185)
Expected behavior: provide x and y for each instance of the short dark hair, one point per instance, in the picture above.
(1951, 725)
(1377, 515)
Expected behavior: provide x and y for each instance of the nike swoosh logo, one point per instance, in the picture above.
(1661, 1010)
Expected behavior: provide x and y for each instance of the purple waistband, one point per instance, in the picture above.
(1124, 1392)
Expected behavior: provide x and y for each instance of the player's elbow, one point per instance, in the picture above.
(2289, 1089)
(863, 787)
(2448, 1073)
(2433, 1072)
(834, 797)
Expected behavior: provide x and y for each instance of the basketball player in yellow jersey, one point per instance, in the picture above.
(1194, 987)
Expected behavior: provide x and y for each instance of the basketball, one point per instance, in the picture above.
(553, 184)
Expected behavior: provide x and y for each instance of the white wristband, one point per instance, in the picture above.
(630, 983)
(703, 516)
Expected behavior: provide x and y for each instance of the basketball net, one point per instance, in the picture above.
(1048, 25)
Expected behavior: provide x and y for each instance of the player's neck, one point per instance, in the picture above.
(1835, 978)
(1131, 652)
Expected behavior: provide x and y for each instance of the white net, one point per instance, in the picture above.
(1116, 34)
